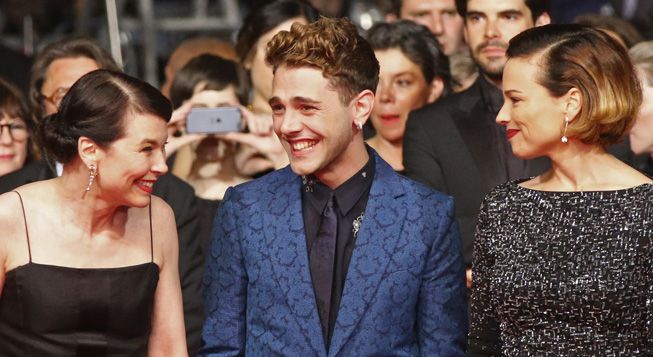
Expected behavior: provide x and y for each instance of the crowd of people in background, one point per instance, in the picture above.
(519, 152)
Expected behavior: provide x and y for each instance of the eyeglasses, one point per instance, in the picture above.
(17, 131)
(56, 97)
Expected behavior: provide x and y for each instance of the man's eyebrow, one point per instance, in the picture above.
(304, 100)
(274, 100)
(403, 73)
(510, 12)
(475, 13)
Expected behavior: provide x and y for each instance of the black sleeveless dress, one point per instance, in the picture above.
(48, 310)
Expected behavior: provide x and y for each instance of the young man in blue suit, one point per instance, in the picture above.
(336, 255)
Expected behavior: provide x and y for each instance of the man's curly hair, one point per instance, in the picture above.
(333, 46)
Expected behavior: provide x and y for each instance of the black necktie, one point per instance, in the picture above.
(322, 260)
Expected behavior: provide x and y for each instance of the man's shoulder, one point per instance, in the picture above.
(448, 106)
(264, 186)
(33, 171)
(416, 191)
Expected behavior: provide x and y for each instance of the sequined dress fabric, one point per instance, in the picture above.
(563, 273)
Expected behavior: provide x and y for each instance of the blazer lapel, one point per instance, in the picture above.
(377, 239)
(288, 253)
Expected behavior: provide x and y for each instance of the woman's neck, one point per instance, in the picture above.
(260, 104)
(87, 209)
(581, 167)
(392, 152)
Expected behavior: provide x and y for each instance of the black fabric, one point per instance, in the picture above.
(563, 273)
(181, 198)
(15, 68)
(448, 145)
(207, 210)
(350, 200)
(48, 310)
(322, 261)
(509, 165)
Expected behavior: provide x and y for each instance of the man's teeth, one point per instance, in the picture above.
(303, 145)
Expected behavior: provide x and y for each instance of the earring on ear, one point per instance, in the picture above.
(91, 176)
(564, 138)
(359, 126)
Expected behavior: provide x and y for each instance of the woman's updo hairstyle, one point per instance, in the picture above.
(96, 107)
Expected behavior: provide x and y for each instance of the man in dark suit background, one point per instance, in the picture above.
(54, 71)
(454, 145)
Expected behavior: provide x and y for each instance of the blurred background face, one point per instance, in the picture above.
(489, 27)
(641, 135)
(211, 148)
(13, 144)
(441, 17)
(62, 73)
(260, 72)
(401, 88)
(211, 98)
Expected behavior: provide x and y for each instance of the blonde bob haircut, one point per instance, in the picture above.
(576, 56)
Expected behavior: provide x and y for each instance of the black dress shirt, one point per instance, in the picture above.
(351, 200)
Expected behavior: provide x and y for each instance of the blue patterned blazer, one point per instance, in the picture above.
(404, 294)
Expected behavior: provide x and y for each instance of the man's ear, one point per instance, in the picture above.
(543, 19)
(435, 90)
(88, 150)
(362, 106)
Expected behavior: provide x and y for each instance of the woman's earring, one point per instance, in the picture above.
(359, 126)
(91, 176)
(564, 138)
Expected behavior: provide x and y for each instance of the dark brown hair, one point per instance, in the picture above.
(266, 16)
(332, 46)
(12, 105)
(576, 56)
(96, 106)
(537, 7)
(215, 73)
(622, 28)
(417, 43)
(66, 48)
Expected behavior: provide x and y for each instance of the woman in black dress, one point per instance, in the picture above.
(88, 260)
(563, 262)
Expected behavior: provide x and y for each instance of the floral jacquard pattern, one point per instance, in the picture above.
(404, 294)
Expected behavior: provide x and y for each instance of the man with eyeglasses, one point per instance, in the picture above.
(54, 71)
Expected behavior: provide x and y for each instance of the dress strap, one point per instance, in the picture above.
(22, 206)
(151, 239)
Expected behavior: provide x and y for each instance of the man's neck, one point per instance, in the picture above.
(496, 82)
(346, 165)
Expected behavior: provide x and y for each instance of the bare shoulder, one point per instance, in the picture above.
(164, 229)
(161, 211)
(13, 237)
(628, 176)
(10, 211)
